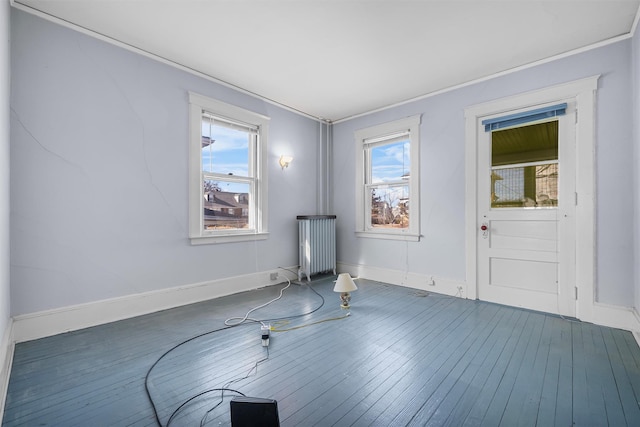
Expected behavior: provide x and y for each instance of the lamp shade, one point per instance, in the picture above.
(344, 283)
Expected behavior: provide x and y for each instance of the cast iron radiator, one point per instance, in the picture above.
(317, 244)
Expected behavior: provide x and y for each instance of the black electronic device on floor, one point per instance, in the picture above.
(254, 412)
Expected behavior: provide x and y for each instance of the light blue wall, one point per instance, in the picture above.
(635, 79)
(99, 173)
(441, 252)
(4, 167)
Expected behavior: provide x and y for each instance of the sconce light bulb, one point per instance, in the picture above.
(284, 161)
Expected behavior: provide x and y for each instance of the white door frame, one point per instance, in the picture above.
(583, 93)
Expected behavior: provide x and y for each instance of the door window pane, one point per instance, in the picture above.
(524, 166)
(527, 186)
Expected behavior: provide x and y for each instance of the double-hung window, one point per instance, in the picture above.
(387, 179)
(227, 177)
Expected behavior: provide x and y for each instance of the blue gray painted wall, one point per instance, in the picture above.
(635, 84)
(441, 252)
(4, 167)
(99, 173)
(99, 146)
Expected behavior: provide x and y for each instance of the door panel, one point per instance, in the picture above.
(535, 235)
(524, 274)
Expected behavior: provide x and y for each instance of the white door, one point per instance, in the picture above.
(526, 213)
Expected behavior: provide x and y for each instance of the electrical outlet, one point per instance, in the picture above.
(431, 282)
(273, 276)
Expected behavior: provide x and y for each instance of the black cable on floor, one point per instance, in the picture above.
(198, 395)
(146, 379)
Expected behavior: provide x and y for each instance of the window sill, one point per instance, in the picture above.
(227, 238)
(406, 237)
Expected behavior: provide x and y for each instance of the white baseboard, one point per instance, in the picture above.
(430, 283)
(52, 322)
(614, 316)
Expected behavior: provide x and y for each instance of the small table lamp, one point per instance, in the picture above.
(344, 285)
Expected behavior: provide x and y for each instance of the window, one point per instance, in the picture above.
(524, 166)
(387, 177)
(227, 178)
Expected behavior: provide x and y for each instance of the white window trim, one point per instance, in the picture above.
(198, 236)
(412, 126)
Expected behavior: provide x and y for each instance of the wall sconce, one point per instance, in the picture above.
(344, 285)
(284, 161)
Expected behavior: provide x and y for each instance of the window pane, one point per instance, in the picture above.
(527, 186)
(525, 144)
(524, 166)
(224, 150)
(390, 162)
(226, 205)
(390, 206)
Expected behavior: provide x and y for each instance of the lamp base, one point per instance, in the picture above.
(345, 297)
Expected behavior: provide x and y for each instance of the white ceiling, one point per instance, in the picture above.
(334, 59)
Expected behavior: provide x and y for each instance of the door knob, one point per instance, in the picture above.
(485, 230)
